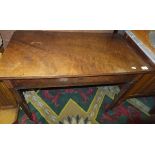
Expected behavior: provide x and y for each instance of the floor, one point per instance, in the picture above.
(83, 105)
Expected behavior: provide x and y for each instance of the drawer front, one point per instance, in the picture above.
(71, 81)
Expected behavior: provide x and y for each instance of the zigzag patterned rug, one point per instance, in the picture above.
(83, 105)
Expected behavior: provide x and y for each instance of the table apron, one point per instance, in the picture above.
(71, 81)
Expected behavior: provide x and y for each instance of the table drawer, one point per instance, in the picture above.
(71, 81)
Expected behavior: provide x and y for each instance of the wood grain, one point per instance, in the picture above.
(41, 59)
(7, 99)
(143, 36)
(144, 87)
(143, 42)
(41, 54)
(74, 81)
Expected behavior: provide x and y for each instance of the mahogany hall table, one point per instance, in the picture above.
(43, 59)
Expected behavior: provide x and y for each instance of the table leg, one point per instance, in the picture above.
(11, 97)
(23, 104)
(124, 93)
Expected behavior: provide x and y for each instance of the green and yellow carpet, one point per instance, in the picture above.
(83, 105)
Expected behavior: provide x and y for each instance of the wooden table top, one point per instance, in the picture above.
(142, 39)
(41, 54)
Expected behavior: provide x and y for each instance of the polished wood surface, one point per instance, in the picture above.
(41, 54)
(143, 36)
(74, 81)
(143, 39)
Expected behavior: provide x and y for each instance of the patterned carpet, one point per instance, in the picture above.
(83, 105)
